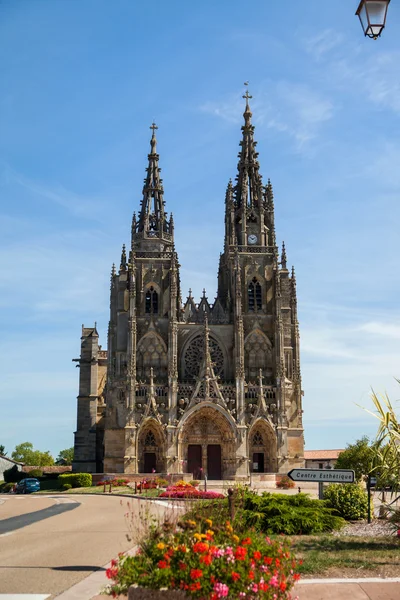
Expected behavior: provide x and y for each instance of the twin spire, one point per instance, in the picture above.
(153, 221)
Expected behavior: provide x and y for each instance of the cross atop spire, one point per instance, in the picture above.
(248, 189)
(152, 221)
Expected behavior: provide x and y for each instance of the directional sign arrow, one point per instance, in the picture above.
(329, 475)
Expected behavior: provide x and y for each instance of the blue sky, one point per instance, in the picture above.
(80, 84)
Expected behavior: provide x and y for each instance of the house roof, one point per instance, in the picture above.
(15, 462)
(49, 469)
(322, 454)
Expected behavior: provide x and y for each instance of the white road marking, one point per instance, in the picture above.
(24, 596)
(167, 504)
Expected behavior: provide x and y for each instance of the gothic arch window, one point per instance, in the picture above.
(151, 304)
(257, 355)
(194, 356)
(150, 439)
(257, 439)
(151, 353)
(254, 295)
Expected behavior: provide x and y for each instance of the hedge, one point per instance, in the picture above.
(76, 480)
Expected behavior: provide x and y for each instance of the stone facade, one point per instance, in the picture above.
(202, 388)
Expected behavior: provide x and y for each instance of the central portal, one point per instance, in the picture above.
(214, 470)
(208, 445)
(195, 456)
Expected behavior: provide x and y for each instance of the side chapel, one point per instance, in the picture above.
(202, 388)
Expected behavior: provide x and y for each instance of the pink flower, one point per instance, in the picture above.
(254, 587)
(221, 590)
(274, 581)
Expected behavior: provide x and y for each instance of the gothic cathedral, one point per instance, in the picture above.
(208, 389)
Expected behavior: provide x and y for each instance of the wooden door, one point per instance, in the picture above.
(195, 455)
(214, 470)
(258, 462)
(150, 462)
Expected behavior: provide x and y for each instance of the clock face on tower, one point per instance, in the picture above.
(252, 238)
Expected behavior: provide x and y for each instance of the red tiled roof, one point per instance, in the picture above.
(49, 469)
(321, 454)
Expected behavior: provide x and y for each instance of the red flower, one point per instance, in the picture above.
(196, 573)
(182, 566)
(162, 564)
(194, 587)
(240, 553)
(212, 579)
(251, 574)
(282, 586)
(246, 542)
(235, 576)
(257, 555)
(296, 576)
(200, 547)
(267, 560)
(277, 562)
(206, 559)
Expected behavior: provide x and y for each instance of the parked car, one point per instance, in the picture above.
(27, 485)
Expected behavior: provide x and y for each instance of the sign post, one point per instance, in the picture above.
(322, 475)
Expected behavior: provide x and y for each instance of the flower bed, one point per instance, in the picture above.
(114, 482)
(209, 563)
(188, 491)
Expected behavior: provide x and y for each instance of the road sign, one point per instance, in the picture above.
(329, 475)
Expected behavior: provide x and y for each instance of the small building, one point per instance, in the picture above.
(7, 463)
(321, 459)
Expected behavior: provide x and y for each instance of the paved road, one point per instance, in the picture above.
(48, 544)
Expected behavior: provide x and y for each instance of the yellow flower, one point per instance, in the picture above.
(192, 523)
(198, 536)
(235, 539)
(210, 532)
(160, 546)
(209, 522)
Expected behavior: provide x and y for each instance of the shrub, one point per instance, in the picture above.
(161, 482)
(13, 475)
(349, 499)
(285, 483)
(207, 562)
(194, 482)
(290, 515)
(76, 479)
(7, 487)
(66, 486)
(35, 473)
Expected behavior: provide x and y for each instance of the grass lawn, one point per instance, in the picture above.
(98, 489)
(330, 556)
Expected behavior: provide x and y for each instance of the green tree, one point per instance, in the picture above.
(65, 457)
(359, 456)
(26, 454)
(387, 443)
(2, 450)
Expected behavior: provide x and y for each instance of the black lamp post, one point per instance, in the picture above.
(372, 15)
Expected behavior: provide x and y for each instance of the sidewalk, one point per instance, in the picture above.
(372, 589)
(352, 590)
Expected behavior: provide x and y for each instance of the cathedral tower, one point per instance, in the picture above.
(205, 387)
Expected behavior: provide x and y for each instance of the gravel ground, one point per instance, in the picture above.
(378, 528)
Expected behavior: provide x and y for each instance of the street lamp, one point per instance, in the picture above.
(372, 15)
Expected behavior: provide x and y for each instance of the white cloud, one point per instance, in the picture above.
(323, 43)
(294, 109)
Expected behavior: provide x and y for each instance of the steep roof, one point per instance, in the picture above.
(322, 454)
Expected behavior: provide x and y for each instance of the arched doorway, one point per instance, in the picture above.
(262, 448)
(207, 444)
(151, 448)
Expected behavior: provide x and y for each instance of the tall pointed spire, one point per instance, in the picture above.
(283, 257)
(248, 189)
(152, 218)
(122, 266)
